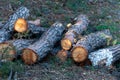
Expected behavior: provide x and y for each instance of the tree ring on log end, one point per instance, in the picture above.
(21, 25)
(62, 55)
(79, 54)
(29, 56)
(66, 44)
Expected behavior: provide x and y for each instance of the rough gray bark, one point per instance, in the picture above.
(12, 49)
(21, 12)
(90, 43)
(106, 56)
(55, 50)
(4, 35)
(7, 28)
(36, 29)
(94, 40)
(45, 44)
(20, 44)
(74, 30)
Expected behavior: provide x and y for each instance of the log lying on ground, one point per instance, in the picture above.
(63, 55)
(4, 35)
(44, 45)
(90, 43)
(7, 28)
(7, 52)
(21, 12)
(73, 31)
(105, 56)
(21, 25)
(55, 50)
(9, 49)
(20, 44)
(36, 29)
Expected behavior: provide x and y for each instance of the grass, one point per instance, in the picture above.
(6, 67)
(77, 5)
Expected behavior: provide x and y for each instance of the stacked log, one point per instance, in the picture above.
(44, 45)
(21, 25)
(76, 29)
(7, 52)
(9, 49)
(89, 43)
(63, 55)
(106, 56)
(7, 28)
(21, 12)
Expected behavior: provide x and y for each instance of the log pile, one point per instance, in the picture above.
(72, 43)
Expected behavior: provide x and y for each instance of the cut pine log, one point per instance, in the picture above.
(21, 12)
(106, 56)
(44, 45)
(21, 25)
(76, 29)
(90, 43)
(9, 50)
(63, 55)
(7, 28)
(20, 44)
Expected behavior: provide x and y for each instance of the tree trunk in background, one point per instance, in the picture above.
(73, 31)
(44, 45)
(90, 43)
(105, 56)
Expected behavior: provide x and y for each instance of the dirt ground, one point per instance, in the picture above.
(103, 14)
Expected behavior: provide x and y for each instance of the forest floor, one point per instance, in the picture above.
(103, 14)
